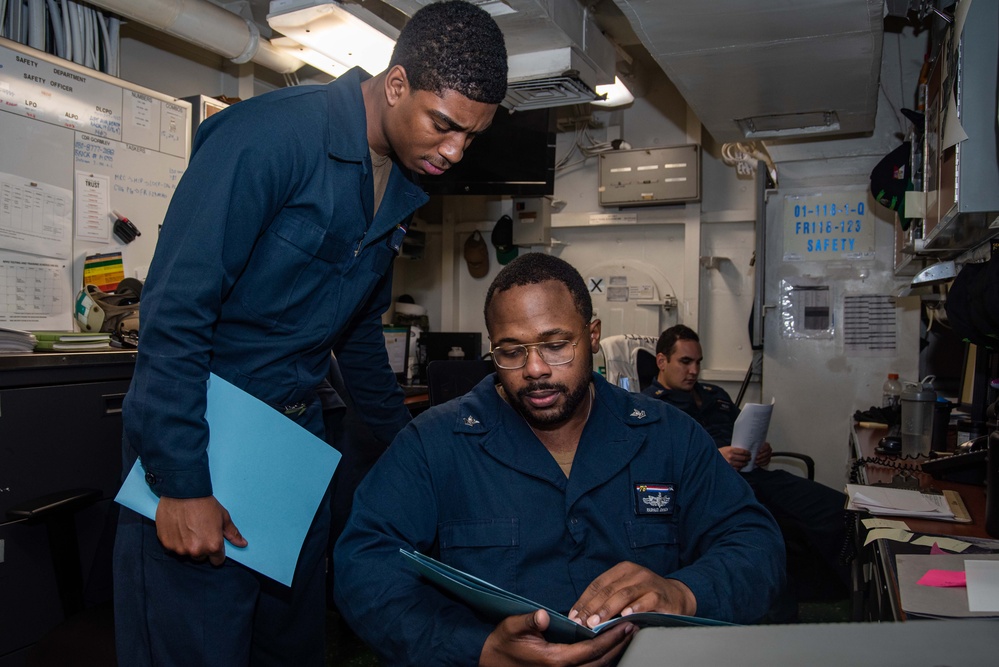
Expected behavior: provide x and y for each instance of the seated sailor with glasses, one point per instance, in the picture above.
(548, 481)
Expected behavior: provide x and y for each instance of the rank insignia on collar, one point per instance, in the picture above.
(638, 414)
(471, 421)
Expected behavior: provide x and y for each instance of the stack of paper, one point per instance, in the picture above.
(14, 340)
(68, 341)
(497, 603)
(887, 501)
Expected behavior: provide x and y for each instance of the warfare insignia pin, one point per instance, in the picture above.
(640, 414)
(471, 421)
(654, 498)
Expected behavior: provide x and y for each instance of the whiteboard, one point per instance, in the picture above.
(75, 145)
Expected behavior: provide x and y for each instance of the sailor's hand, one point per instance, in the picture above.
(196, 528)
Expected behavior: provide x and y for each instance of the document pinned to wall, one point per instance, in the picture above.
(93, 207)
(35, 253)
(750, 429)
(869, 325)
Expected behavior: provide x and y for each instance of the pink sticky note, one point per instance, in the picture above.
(943, 579)
(936, 550)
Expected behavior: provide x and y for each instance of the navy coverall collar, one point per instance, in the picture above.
(352, 146)
(610, 440)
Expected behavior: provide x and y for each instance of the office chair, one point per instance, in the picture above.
(452, 378)
(645, 367)
(86, 635)
(628, 356)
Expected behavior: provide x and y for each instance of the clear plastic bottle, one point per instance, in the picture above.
(891, 392)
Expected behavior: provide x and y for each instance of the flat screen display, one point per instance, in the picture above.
(515, 156)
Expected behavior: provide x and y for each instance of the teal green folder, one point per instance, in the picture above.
(496, 604)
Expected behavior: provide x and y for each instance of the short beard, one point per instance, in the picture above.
(573, 400)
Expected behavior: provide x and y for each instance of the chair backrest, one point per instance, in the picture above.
(621, 358)
(453, 378)
(645, 365)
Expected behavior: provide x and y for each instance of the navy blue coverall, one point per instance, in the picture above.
(468, 482)
(269, 257)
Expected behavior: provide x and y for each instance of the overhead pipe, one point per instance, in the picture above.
(208, 26)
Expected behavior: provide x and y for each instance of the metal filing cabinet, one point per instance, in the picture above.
(60, 429)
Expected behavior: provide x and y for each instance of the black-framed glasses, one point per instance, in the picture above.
(552, 352)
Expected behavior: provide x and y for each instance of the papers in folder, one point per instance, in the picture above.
(887, 501)
(267, 471)
(496, 604)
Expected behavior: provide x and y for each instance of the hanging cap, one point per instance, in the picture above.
(890, 180)
(477, 255)
(502, 239)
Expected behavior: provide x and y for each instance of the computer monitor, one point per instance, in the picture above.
(437, 345)
(397, 346)
(979, 367)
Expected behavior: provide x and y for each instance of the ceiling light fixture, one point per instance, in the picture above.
(613, 95)
(349, 35)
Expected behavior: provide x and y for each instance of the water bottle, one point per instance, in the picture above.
(891, 392)
(918, 402)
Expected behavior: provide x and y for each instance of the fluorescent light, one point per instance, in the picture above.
(615, 95)
(314, 58)
(334, 31)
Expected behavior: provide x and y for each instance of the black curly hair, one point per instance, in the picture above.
(535, 267)
(454, 45)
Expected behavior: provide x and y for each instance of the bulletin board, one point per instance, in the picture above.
(77, 145)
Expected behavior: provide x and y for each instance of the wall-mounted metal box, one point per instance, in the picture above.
(649, 176)
(532, 221)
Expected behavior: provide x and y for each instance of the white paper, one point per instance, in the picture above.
(900, 502)
(750, 430)
(983, 584)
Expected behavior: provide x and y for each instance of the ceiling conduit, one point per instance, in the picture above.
(208, 26)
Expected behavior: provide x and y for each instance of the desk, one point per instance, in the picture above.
(875, 575)
(952, 643)
(417, 403)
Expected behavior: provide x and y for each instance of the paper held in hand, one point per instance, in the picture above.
(750, 429)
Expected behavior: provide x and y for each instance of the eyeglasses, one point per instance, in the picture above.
(553, 353)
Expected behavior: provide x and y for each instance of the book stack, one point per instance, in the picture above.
(14, 340)
(68, 341)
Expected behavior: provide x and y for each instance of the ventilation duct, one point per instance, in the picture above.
(207, 25)
(557, 55)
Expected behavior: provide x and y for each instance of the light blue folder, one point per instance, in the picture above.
(267, 471)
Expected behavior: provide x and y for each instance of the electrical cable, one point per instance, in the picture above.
(87, 38)
(77, 34)
(93, 41)
(115, 30)
(98, 41)
(102, 22)
(66, 31)
(55, 18)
